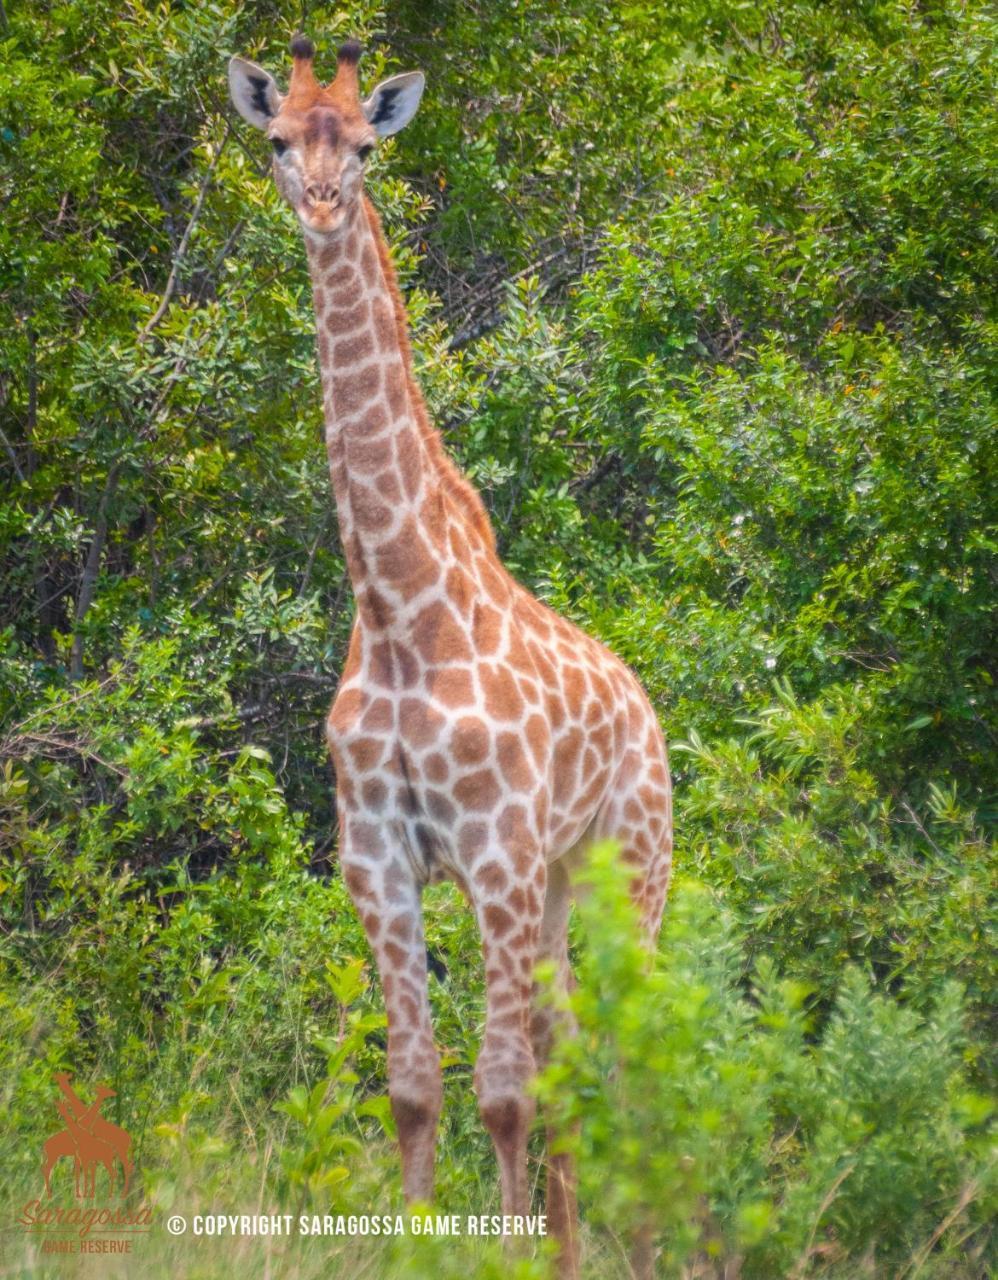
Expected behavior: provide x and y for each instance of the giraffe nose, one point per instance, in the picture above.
(322, 192)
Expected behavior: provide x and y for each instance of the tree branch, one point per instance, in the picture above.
(185, 240)
(88, 584)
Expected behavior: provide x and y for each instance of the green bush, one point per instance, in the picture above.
(714, 1112)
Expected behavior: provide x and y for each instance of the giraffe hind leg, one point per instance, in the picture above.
(639, 819)
(547, 1023)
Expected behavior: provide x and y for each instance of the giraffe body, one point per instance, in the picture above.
(476, 735)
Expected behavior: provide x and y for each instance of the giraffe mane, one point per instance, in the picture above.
(454, 483)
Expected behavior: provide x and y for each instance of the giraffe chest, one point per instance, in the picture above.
(447, 756)
(432, 775)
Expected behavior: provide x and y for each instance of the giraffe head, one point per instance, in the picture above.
(322, 134)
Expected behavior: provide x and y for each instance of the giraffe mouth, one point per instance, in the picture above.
(320, 215)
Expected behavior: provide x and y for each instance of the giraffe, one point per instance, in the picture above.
(91, 1120)
(79, 1141)
(475, 735)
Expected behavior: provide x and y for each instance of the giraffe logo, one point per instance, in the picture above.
(88, 1140)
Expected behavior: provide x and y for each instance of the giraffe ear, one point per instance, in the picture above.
(255, 94)
(393, 103)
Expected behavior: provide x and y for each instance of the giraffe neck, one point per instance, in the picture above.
(398, 496)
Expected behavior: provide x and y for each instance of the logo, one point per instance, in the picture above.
(89, 1141)
(93, 1144)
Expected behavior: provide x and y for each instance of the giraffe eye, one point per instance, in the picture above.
(364, 151)
(279, 145)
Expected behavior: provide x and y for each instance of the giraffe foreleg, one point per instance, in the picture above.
(387, 897)
(509, 919)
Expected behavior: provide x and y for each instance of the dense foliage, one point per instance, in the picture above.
(705, 304)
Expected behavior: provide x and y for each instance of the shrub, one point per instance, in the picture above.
(711, 1112)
